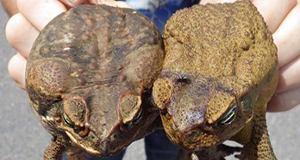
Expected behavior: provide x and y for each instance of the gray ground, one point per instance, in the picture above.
(22, 137)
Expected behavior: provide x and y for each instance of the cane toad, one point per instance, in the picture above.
(89, 76)
(219, 73)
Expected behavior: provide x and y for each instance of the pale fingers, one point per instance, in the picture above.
(10, 7)
(111, 3)
(216, 1)
(16, 69)
(274, 11)
(289, 76)
(20, 34)
(40, 12)
(284, 101)
(72, 3)
(123, 4)
(287, 37)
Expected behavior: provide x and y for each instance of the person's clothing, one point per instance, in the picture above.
(159, 147)
(157, 144)
(159, 11)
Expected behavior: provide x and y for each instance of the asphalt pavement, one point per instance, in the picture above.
(23, 138)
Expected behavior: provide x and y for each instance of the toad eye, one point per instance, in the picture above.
(67, 120)
(136, 119)
(228, 117)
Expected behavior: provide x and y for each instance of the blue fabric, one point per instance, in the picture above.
(159, 147)
(161, 14)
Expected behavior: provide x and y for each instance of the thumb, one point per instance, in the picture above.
(112, 3)
(216, 1)
(73, 3)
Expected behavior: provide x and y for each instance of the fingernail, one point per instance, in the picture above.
(72, 1)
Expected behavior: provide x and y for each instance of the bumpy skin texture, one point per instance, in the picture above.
(219, 73)
(88, 78)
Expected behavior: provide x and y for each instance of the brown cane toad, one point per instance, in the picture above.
(89, 76)
(219, 73)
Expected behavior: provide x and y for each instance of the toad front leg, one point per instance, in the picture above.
(259, 146)
(57, 147)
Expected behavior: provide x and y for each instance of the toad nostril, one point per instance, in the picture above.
(163, 112)
(184, 80)
(84, 132)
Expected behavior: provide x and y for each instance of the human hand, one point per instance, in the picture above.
(282, 18)
(10, 6)
(23, 28)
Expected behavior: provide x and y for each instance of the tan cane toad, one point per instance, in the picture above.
(219, 73)
(89, 76)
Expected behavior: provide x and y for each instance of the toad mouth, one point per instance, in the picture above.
(88, 149)
(49, 120)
